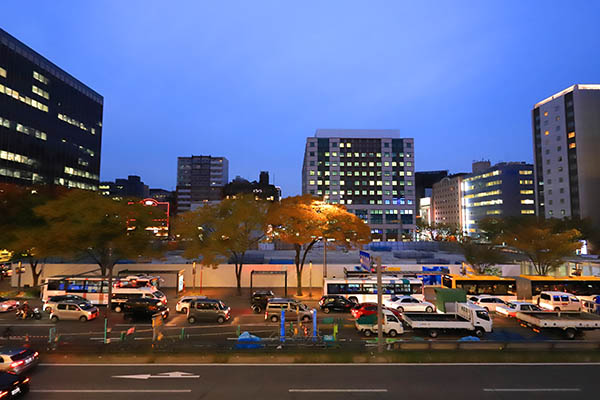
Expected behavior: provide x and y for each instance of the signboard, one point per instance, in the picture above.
(365, 260)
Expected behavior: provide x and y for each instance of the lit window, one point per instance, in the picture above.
(571, 145)
(2, 72)
(571, 135)
(530, 212)
(546, 133)
(546, 114)
(527, 201)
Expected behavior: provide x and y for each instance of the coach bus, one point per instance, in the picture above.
(584, 287)
(505, 288)
(365, 290)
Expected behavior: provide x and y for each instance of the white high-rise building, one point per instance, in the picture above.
(370, 171)
(566, 138)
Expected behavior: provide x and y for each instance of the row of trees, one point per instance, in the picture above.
(53, 222)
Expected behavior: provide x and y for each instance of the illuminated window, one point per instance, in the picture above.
(546, 114)
(527, 191)
(526, 182)
(22, 129)
(525, 172)
(23, 99)
(571, 135)
(40, 92)
(74, 122)
(528, 212)
(40, 77)
(2, 72)
(571, 145)
(527, 201)
(546, 133)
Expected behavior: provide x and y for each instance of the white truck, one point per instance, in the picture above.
(570, 323)
(468, 317)
(391, 324)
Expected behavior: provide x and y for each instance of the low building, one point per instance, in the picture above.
(261, 189)
(124, 188)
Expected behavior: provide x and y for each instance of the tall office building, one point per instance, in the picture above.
(446, 207)
(200, 179)
(566, 138)
(50, 123)
(502, 190)
(371, 172)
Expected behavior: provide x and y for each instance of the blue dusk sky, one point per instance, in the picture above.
(251, 79)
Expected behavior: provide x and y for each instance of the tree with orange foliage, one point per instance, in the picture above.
(304, 220)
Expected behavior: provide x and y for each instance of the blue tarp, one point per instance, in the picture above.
(248, 341)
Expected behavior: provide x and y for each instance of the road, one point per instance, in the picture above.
(315, 382)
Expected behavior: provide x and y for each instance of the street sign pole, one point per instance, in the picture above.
(379, 307)
(310, 279)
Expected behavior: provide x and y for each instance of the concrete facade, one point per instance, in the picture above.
(200, 179)
(446, 201)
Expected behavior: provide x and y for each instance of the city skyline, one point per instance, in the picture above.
(254, 92)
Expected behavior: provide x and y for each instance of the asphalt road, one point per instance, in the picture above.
(315, 382)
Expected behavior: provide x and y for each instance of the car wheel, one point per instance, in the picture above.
(433, 333)
(556, 308)
(274, 318)
(368, 333)
(479, 332)
(400, 308)
(393, 333)
(221, 319)
(570, 333)
(429, 309)
(54, 318)
(192, 320)
(184, 310)
(118, 309)
(306, 318)
(83, 318)
(256, 309)
(326, 310)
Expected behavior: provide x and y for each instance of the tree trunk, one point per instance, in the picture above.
(239, 264)
(299, 282)
(35, 275)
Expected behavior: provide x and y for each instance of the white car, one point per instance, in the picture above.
(408, 303)
(183, 303)
(513, 307)
(559, 301)
(7, 304)
(489, 302)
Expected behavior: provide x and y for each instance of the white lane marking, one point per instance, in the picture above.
(174, 374)
(534, 390)
(338, 390)
(317, 365)
(110, 391)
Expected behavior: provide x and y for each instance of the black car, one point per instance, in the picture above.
(259, 300)
(13, 386)
(144, 309)
(336, 303)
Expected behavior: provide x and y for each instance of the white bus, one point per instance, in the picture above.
(94, 289)
(364, 290)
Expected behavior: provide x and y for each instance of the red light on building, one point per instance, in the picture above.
(161, 225)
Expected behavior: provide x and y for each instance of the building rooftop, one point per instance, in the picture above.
(567, 90)
(358, 133)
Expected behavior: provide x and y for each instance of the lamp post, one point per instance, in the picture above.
(324, 259)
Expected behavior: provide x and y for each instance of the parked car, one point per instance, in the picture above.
(409, 303)
(292, 310)
(72, 311)
(52, 301)
(7, 304)
(122, 295)
(13, 385)
(336, 303)
(489, 302)
(512, 308)
(144, 309)
(364, 309)
(210, 310)
(17, 359)
(184, 303)
(559, 301)
(259, 300)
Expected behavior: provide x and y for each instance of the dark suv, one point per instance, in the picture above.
(259, 300)
(144, 309)
(336, 303)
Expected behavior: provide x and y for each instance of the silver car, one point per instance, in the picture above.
(73, 311)
(17, 359)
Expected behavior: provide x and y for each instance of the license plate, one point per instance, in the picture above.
(15, 391)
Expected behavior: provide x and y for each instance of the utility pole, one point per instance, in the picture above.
(379, 307)
(194, 276)
(324, 259)
(310, 279)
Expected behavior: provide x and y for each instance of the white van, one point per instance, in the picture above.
(559, 301)
(121, 295)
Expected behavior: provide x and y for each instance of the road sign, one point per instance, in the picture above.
(174, 374)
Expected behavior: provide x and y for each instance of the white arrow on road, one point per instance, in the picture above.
(175, 374)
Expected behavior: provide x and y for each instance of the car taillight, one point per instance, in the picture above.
(15, 364)
(26, 380)
(36, 354)
(2, 394)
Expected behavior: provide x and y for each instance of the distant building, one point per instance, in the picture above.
(160, 226)
(200, 180)
(122, 188)
(164, 196)
(50, 122)
(425, 210)
(446, 201)
(424, 181)
(261, 189)
(370, 171)
(503, 190)
(566, 138)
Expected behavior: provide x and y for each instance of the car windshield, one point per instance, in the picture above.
(158, 294)
(302, 307)
(483, 315)
(2, 299)
(85, 306)
(222, 305)
(511, 305)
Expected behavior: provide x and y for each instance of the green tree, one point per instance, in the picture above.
(481, 256)
(303, 220)
(21, 230)
(83, 222)
(224, 230)
(544, 247)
